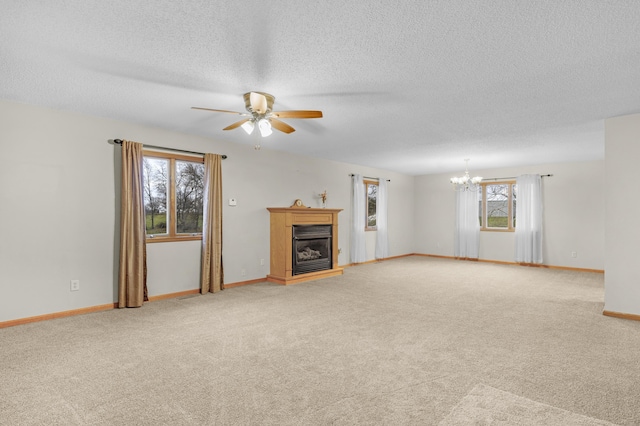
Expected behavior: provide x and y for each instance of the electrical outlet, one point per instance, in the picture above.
(574, 254)
(261, 261)
(75, 285)
(243, 272)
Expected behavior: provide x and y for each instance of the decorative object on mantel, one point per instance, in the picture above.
(466, 182)
(323, 196)
(298, 204)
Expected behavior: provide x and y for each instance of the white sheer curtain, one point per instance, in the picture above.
(467, 236)
(358, 244)
(382, 239)
(529, 219)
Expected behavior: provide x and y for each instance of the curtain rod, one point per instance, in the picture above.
(119, 142)
(369, 177)
(512, 177)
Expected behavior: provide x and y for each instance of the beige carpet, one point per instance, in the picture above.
(399, 342)
(485, 405)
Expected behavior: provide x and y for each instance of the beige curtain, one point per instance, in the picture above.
(132, 279)
(212, 276)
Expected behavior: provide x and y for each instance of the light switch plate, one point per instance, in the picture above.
(233, 202)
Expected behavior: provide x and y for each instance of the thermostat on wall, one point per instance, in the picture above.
(232, 202)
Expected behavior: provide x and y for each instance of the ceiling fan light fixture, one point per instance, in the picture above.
(259, 106)
(265, 127)
(248, 127)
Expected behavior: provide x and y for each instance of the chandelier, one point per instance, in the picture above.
(466, 182)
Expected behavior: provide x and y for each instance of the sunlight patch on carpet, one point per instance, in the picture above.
(485, 405)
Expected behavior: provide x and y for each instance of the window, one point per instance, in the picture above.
(173, 189)
(498, 206)
(371, 188)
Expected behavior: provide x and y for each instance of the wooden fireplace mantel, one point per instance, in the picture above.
(282, 221)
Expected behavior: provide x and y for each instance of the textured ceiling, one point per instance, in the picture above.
(410, 86)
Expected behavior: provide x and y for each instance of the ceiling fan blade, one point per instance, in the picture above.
(236, 124)
(258, 102)
(281, 125)
(220, 110)
(298, 114)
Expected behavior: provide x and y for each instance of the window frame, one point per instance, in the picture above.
(171, 235)
(367, 183)
(510, 213)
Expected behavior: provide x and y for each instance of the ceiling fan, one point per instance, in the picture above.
(260, 111)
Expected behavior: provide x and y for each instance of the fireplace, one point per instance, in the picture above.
(304, 244)
(311, 248)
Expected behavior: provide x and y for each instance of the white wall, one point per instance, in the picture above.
(59, 209)
(622, 279)
(573, 215)
(274, 179)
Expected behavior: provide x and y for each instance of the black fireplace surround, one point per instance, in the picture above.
(311, 248)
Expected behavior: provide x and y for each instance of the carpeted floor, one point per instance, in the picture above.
(408, 341)
(485, 405)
